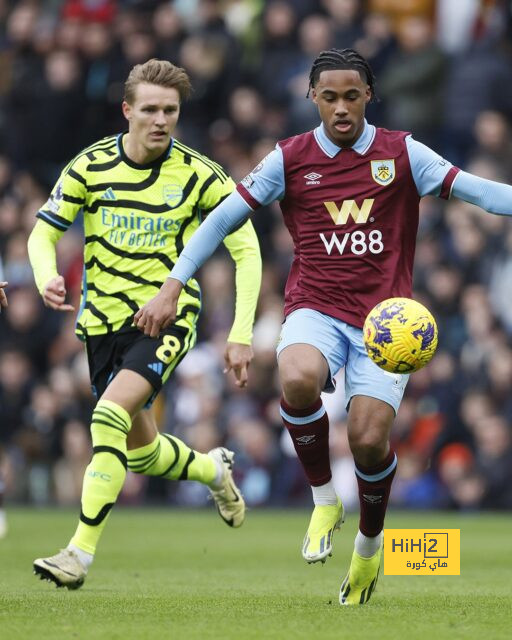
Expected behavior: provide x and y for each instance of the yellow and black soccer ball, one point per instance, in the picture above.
(400, 335)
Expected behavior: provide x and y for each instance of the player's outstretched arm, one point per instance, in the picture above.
(42, 254)
(160, 311)
(494, 197)
(434, 175)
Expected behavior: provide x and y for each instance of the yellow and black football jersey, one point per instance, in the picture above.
(137, 219)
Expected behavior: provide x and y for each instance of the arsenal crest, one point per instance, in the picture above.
(383, 171)
(173, 194)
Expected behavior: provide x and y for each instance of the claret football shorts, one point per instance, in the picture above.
(341, 344)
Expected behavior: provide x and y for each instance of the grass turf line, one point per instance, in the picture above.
(184, 574)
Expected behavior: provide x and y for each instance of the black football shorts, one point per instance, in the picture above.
(128, 348)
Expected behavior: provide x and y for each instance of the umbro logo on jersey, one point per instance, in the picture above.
(109, 194)
(313, 178)
(305, 439)
(372, 499)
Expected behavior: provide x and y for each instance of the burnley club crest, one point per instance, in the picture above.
(383, 171)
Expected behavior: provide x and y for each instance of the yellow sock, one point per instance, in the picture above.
(104, 477)
(170, 458)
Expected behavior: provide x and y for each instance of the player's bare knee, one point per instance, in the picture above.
(300, 388)
(368, 447)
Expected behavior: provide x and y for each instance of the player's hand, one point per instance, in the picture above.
(3, 297)
(160, 311)
(54, 295)
(238, 358)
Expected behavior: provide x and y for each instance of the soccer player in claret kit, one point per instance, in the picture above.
(142, 193)
(349, 193)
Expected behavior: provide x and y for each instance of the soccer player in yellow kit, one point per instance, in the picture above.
(143, 194)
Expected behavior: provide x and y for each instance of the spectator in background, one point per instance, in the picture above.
(278, 50)
(396, 10)
(169, 31)
(493, 137)
(479, 79)
(315, 33)
(346, 20)
(27, 328)
(464, 486)
(60, 105)
(493, 444)
(412, 84)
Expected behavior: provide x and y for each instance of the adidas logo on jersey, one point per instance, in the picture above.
(109, 194)
(313, 178)
(157, 367)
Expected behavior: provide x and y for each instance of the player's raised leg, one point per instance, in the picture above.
(103, 479)
(369, 426)
(161, 454)
(303, 371)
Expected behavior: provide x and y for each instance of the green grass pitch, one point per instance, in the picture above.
(184, 574)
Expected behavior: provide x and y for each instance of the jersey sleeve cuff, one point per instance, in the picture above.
(250, 201)
(446, 187)
(239, 338)
(183, 270)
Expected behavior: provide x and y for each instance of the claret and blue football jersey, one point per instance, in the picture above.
(352, 214)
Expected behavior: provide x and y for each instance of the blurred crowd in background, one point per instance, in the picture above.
(444, 72)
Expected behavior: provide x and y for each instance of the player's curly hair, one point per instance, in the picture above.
(341, 59)
(160, 72)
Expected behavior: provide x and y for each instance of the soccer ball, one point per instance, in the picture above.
(400, 335)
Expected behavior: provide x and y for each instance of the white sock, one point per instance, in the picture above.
(324, 494)
(367, 547)
(84, 557)
(216, 483)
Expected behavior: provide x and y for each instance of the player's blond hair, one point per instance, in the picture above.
(160, 72)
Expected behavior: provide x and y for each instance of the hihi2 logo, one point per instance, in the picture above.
(413, 552)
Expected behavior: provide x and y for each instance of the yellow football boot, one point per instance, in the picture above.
(325, 520)
(361, 579)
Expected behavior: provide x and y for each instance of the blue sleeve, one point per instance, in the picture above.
(228, 216)
(428, 168)
(494, 197)
(265, 183)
